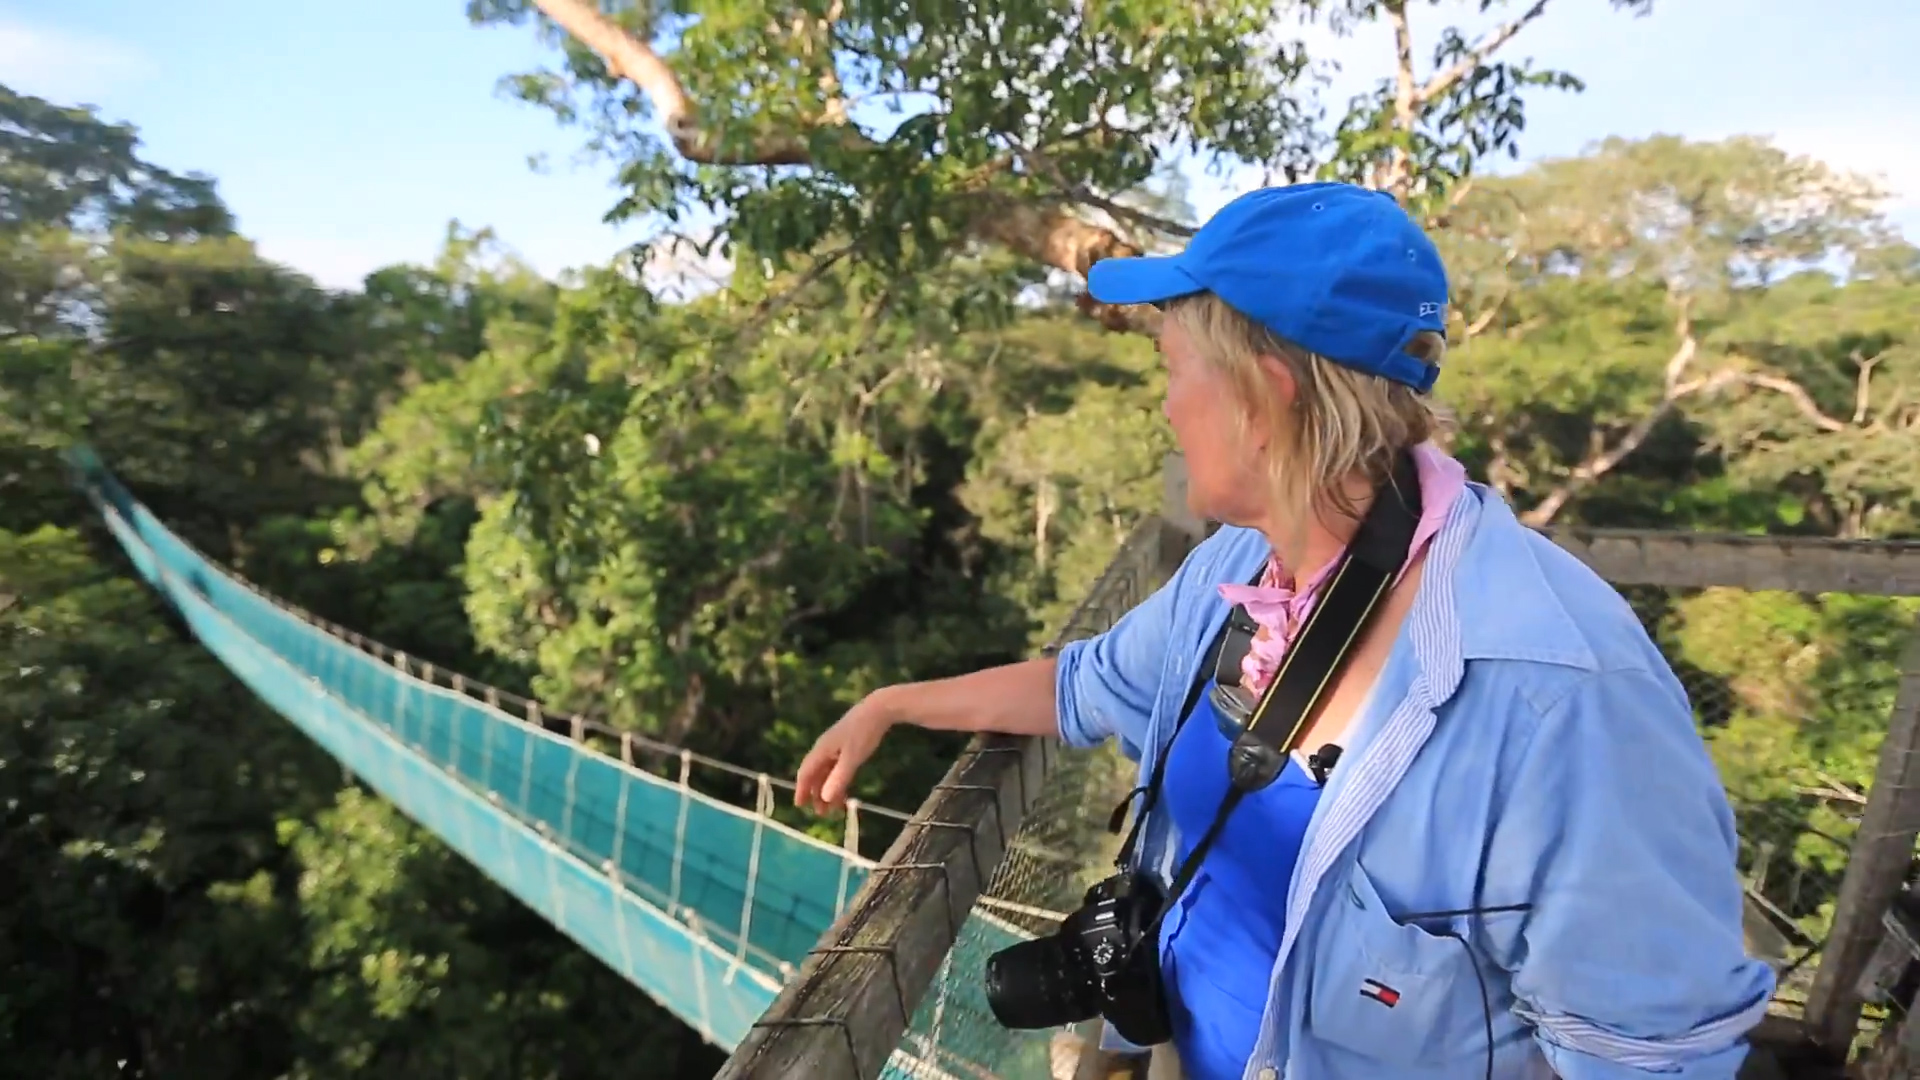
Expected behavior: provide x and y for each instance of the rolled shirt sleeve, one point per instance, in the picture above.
(1632, 961)
(1106, 685)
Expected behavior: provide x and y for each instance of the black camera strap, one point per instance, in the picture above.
(1360, 580)
(1149, 793)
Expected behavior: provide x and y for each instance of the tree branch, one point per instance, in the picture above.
(1501, 471)
(1599, 463)
(1485, 319)
(1052, 237)
(1399, 172)
(1863, 386)
(1039, 231)
(1043, 164)
(1487, 46)
(1797, 394)
(631, 58)
(1603, 459)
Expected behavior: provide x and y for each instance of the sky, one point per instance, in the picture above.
(346, 135)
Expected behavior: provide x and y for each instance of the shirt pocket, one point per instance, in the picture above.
(1389, 990)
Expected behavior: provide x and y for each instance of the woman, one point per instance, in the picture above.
(1523, 863)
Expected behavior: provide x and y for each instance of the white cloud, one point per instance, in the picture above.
(1889, 158)
(65, 67)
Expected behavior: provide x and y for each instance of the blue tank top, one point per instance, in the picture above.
(1219, 942)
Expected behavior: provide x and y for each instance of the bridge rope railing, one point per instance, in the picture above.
(634, 749)
(405, 775)
(325, 678)
(845, 1012)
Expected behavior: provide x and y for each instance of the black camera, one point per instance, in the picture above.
(1097, 964)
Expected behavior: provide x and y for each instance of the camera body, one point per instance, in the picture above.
(1098, 963)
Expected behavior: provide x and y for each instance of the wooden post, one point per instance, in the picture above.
(1881, 858)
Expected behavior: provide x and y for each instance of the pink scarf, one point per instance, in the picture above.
(1281, 608)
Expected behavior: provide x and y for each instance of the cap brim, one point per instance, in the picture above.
(1144, 280)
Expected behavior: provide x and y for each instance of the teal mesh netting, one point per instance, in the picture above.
(703, 905)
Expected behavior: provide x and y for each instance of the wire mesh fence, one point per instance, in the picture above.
(1791, 692)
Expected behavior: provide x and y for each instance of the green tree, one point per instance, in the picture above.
(144, 928)
(907, 134)
(422, 968)
(189, 889)
(135, 319)
(1069, 457)
(1627, 317)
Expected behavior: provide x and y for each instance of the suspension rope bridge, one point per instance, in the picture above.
(705, 906)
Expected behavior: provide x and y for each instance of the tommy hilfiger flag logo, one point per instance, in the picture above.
(1380, 992)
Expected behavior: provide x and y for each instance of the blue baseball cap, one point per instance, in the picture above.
(1333, 268)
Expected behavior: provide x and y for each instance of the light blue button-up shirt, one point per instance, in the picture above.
(1527, 744)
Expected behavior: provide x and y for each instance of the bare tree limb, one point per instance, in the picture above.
(1602, 459)
(1863, 386)
(1120, 318)
(1797, 394)
(1501, 471)
(1043, 163)
(836, 102)
(1833, 790)
(1677, 388)
(1049, 235)
(1485, 319)
(631, 58)
(1398, 172)
(1477, 55)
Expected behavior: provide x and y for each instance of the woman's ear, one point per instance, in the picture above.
(1284, 388)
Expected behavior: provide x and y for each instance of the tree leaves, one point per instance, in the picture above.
(781, 121)
(188, 889)
(1625, 311)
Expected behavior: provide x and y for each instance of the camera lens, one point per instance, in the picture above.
(1035, 984)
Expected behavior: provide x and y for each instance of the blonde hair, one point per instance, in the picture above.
(1344, 422)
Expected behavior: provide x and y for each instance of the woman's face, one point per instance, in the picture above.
(1225, 481)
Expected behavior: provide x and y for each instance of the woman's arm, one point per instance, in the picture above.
(1013, 699)
(1097, 688)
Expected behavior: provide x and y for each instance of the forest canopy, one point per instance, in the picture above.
(895, 444)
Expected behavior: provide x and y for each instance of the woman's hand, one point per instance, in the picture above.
(826, 774)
